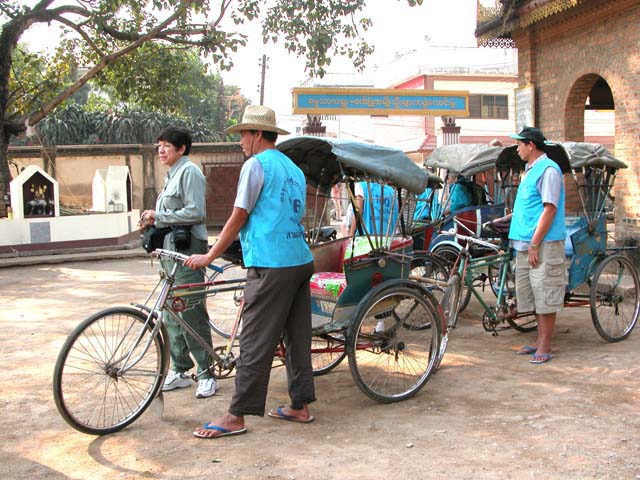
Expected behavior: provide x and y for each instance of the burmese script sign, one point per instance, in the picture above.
(374, 101)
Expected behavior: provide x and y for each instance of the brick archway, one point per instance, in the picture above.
(575, 106)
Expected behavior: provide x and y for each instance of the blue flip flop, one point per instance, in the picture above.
(539, 358)
(224, 432)
(279, 414)
(527, 350)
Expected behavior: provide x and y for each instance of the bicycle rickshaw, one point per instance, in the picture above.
(365, 307)
(462, 166)
(601, 276)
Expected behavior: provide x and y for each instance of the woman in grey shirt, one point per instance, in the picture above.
(182, 204)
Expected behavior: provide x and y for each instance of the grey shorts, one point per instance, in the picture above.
(542, 289)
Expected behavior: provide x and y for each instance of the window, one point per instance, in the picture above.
(488, 106)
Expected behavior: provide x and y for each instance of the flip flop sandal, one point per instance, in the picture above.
(527, 350)
(539, 358)
(223, 432)
(279, 414)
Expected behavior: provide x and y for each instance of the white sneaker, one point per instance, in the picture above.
(206, 388)
(176, 380)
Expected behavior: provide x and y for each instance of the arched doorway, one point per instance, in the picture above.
(589, 117)
(590, 112)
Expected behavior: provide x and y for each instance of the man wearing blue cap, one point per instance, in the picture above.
(537, 233)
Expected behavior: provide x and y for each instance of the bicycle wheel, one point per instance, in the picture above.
(615, 300)
(393, 361)
(450, 299)
(90, 391)
(327, 351)
(495, 276)
(430, 266)
(449, 253)
(223, 306)
(524, 324)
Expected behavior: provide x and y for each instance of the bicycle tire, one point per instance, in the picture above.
(222, 307)
(450, 254)
(393, 363)
(327, 352)
(615, 298)
(90, 393)
(524, 324)
(428, 265)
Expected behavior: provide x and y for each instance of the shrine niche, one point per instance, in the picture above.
(34, 194)
(112, 190)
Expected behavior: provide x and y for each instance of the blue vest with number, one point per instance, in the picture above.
(379, 202)
(528, 206)
(273, 236)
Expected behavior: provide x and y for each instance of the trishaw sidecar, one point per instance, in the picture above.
(364, 304)
(601, 276)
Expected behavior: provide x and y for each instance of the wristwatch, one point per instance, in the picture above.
(533, 246)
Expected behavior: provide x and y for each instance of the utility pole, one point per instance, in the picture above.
(262, 76)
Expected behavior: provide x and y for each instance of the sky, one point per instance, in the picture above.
(398, 30)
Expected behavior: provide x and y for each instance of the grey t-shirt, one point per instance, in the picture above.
(250, 184)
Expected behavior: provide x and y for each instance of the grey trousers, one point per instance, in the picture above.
(180, 342)
(277, 302)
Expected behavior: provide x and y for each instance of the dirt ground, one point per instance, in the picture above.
(487, 413)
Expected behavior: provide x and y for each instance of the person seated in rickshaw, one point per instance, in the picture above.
(427, 206)
(464, 193)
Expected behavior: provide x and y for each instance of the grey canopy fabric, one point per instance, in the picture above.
(464, 159)
(318, 158)
(590, 155)
(468, 159)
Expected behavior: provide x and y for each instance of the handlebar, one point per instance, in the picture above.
(180, 257)
(471, 239)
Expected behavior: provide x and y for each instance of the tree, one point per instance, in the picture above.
(98, 33)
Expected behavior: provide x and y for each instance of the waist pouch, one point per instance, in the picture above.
(153, 238)
(181, 236)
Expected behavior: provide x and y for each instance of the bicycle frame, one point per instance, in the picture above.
(180, 293)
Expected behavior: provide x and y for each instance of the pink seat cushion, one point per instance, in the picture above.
(327, 284)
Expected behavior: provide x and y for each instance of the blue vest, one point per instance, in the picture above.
(423, 207)
(273, 236)
(383, 201)
(528, 207)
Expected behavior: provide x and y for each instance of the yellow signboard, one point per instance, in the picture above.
(376, 101)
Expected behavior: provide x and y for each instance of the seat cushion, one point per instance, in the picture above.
(328, 284)
(360, 246)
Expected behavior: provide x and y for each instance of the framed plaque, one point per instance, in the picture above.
(525, 107)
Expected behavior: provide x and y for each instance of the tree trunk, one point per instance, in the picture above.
(5, 173)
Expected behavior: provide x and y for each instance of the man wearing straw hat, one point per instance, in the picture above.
(267, 213)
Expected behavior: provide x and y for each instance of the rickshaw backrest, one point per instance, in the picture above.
(360, 247)
(328, 256)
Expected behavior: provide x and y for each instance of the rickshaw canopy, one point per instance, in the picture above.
(590, 155)
(464, 159)
(567, 155)
(320, 159)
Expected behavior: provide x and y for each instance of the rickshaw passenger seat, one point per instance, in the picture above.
(329, 285)
(572, 225)
(329, 281)
(361, 246)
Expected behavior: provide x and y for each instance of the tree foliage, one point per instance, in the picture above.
(99, 33)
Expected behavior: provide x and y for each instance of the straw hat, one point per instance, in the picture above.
(257, 117)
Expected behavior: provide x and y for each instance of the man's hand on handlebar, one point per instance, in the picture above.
(197, 261)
